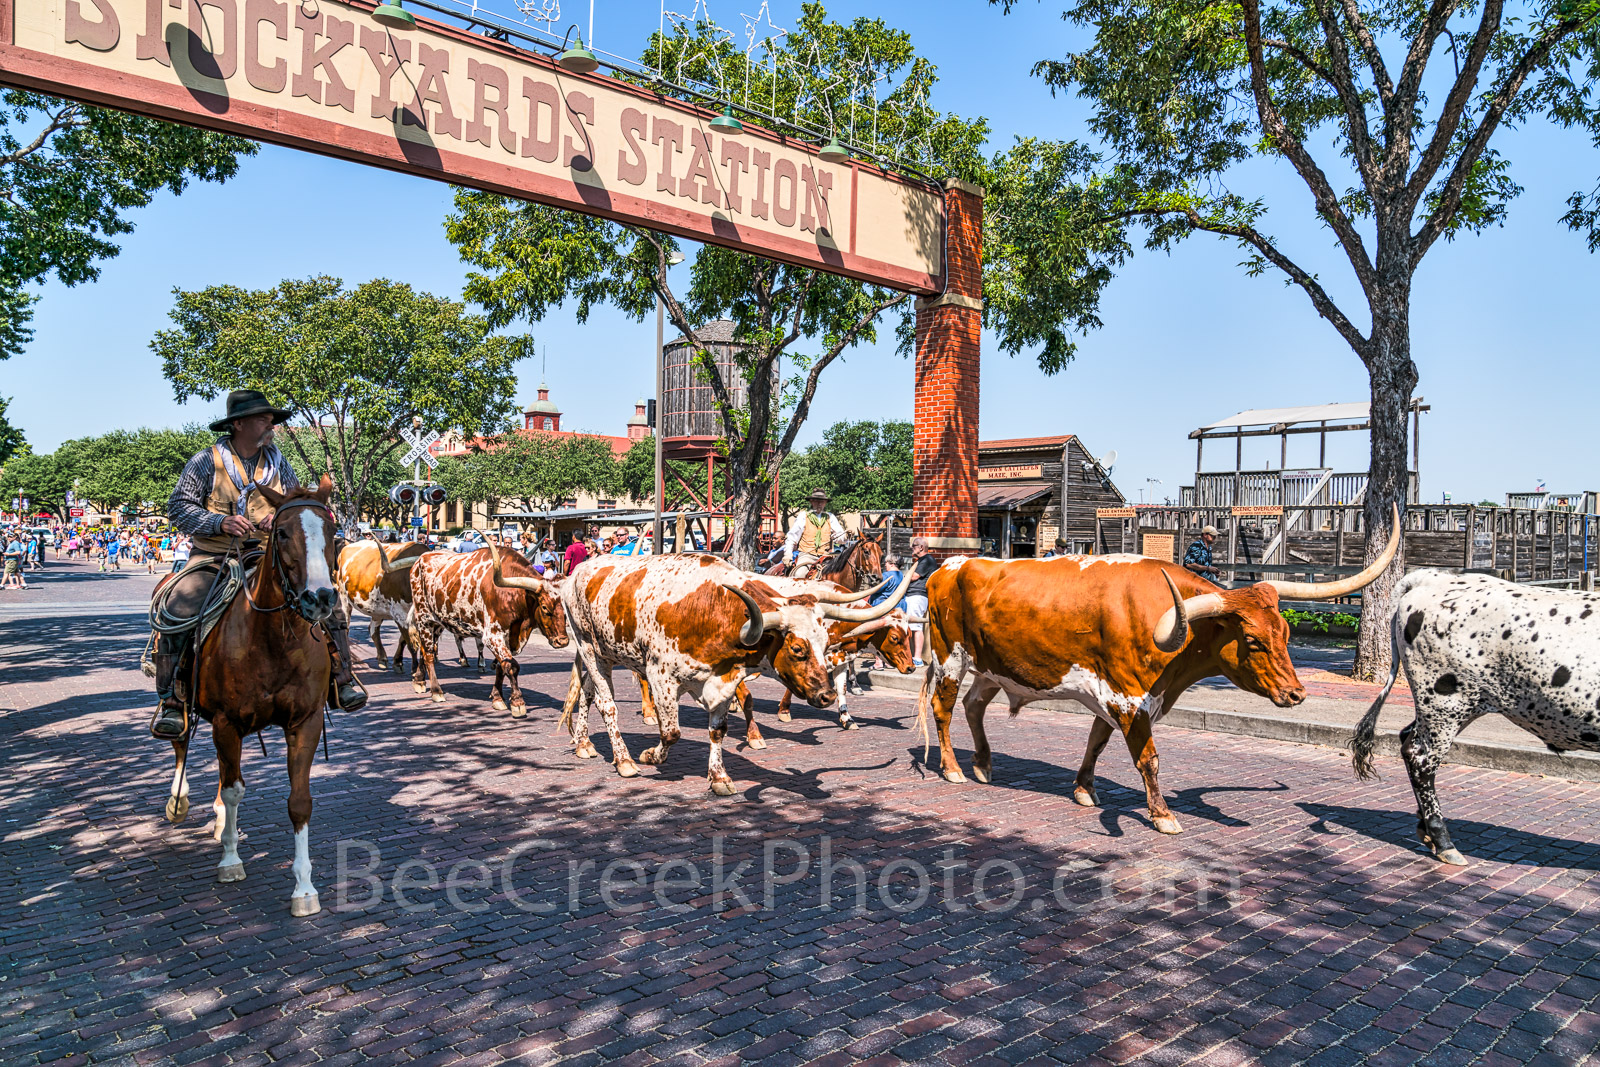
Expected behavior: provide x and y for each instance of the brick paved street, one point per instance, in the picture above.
(1295, 921)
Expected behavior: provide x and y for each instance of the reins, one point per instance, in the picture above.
(276, 562)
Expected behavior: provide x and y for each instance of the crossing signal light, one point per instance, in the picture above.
(433, 494)
(404, 494)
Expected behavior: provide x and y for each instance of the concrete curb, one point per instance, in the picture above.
(1524, 759)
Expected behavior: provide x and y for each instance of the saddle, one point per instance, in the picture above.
(226, 578)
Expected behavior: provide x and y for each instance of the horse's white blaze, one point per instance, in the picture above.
(231, 795)
(317, 576)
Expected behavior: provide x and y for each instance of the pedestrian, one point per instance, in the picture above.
(916, 602)
(13, 563)
(547, 554)
(575, 554)
(891, 576)
(1198, 558)
(1058, 549)
(180, 553)
(113, 554)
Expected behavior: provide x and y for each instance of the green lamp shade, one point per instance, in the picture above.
(578, 59)
(726, 122)
(834, 152)
(394, 16)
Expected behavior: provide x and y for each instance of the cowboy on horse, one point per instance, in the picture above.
(814, 534)
(218, 502)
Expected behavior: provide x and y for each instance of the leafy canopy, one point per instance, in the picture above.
(535, 470)
(69, 173)
(864, 466)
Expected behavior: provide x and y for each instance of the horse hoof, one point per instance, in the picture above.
(230, 872)
(723, 787)
(519, 711)
(177, 808)
(756, 742)
(1085, 798)
(1452, 857)
(498, 704)
(300, 907)
(953, 776)
(783, 716)
(981, 773)
(1166, 824)
(627, 768)
(462, 663)
(848, 723)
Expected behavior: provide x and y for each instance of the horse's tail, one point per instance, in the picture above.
(1364, 739)
(574, 694)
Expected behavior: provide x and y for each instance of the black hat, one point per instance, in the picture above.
(819, 494)
(245, 402)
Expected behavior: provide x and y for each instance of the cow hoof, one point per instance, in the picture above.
(230, 872)
(300, 907)
(462, 663)
(723, 787)
(953, 776)
(1166, 824)
(438, 698)
(177, 808)
(383, 664)
(651, 720)
(783, 716)
(519, 711)
(627, 768)
(586, 750)
(498, 704)
(652, 756)
(980, 773)
(1452, 857)
(756, 742)
(1085, 798)
(419, 687)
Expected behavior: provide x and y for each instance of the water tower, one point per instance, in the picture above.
(691, 426)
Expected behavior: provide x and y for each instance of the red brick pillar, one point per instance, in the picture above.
(945, 450)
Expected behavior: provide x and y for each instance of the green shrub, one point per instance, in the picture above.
(1322, 621)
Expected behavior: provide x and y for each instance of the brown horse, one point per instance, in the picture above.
(266, 663)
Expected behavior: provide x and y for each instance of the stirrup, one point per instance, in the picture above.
(349, 697)
(164, 714)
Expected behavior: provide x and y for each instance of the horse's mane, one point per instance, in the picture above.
(835, 563)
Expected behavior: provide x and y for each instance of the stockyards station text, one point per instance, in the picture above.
(747, 873)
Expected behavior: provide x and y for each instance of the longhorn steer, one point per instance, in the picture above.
(384, 597)
(1472, 645)
(690, 623)
(1122, 635)
(500, 599)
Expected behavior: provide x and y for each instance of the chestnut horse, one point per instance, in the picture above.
(266, 663)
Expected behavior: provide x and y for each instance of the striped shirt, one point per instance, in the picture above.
(186, 508)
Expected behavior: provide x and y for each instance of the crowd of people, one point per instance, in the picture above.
(111, 547)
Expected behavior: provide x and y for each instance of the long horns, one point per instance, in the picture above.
(1172, 629)
(845, 596)
(750, 635)
(532, 585)
(868, 614)
(394, 568)
(1344, 586)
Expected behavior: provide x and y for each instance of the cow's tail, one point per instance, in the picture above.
(574, 694)
(1364, 739)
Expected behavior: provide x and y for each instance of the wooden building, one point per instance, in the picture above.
(1032, 490)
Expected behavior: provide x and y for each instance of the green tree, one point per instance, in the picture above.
(355, 366)
(1394, 155)
(636, 476)
(12, 441)
(532, 258)
(311, 459)
(43, 479)
(69, 173)
(863, 466)
(131, 467)
(535, 471)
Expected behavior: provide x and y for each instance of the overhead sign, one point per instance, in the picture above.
(451, 105)
(1005, 472)
(1115, 513)
(1258, 509)
(420, 443)
(76, 513)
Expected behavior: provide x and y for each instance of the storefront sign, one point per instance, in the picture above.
(439, 101)
(1009, 471)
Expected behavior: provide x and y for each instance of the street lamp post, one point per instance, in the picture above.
(673, 259)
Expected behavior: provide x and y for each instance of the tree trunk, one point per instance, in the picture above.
(1393, 377)
(746, 496)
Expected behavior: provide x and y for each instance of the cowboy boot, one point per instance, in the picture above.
(345, 695)
(171, 720)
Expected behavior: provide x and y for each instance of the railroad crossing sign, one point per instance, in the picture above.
(419, 443)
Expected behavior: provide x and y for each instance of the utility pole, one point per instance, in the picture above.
(673, 259)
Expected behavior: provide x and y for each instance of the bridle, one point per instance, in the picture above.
(856, 555)
(291, 598)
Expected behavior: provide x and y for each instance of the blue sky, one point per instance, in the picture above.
(1503, 324)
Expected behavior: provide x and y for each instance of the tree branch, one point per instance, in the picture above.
(1455, 105)
(1259, 241)
(1272, 122)
(1369, 48)
(1450, 195)
(66, 118)
(1344, 83)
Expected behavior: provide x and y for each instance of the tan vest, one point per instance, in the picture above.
(224, 498)
(816, 540)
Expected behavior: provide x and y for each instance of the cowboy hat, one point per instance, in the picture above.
(818, 494)
(243, 403)
(1212, 530)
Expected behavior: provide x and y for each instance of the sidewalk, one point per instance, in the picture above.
(1334, 704)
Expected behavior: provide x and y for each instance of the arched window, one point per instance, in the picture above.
(549, 424)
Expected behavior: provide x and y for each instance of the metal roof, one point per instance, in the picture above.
(1022, 443)
(1009, 495)
(1306, 413)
